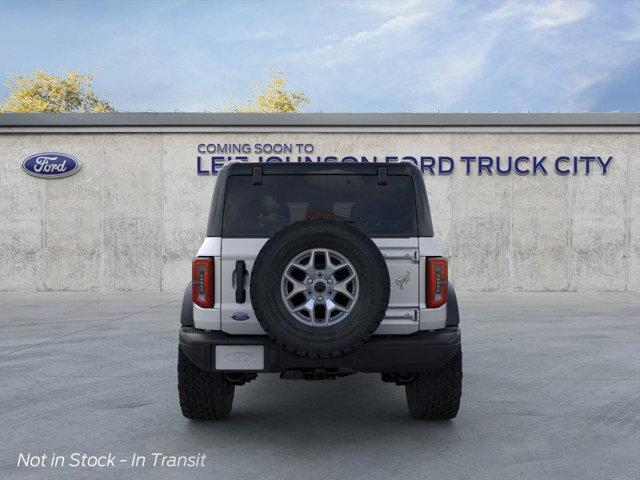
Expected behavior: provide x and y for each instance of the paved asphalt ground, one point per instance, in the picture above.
(551, 391)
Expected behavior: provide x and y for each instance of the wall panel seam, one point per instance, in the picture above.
(45, 256)
(569, 256)
(510, 280)
(101, 280)
(161, 245)
(627, 247)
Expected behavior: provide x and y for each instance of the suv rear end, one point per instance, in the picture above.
(317, 271)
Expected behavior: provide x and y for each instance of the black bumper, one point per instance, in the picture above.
(419, 352)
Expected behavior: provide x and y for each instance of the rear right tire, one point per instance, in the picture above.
(203, 395)
(436, 395)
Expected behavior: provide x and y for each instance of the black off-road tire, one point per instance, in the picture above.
(436, 395)
(203, 395)
(334, 340)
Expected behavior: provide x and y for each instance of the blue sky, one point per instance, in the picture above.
(348, 56)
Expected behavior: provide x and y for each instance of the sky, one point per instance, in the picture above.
(347, 56)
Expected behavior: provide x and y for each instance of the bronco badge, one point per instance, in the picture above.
(403, 280)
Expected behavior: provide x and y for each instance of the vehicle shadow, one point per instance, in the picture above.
(359, 408)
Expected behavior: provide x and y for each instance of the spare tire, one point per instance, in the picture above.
(320, 288)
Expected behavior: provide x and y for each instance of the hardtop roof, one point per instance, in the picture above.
(306, 168)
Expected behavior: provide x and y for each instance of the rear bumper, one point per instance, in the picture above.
(419, 352)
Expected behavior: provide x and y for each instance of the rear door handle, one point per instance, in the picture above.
(239, 273)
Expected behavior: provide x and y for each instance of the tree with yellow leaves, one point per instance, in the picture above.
(42, 92)
(274, 98)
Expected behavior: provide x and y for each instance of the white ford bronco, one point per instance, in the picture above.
(318, 271)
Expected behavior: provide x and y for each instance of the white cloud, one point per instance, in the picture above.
(577, 83)
(393, 7)
(396, 25)
(453, 72)
(540, 15)
(567, 67)
(506, 11)
(517, 57)
(632, 13)
(556, 13)
(391, 37)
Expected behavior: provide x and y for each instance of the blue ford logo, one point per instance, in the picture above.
(240, 316)
(51, 165)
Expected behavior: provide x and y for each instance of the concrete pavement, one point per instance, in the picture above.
(551, 391)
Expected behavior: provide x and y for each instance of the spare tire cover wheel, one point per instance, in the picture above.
(320, 288)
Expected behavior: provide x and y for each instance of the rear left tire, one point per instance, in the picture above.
(203, 395)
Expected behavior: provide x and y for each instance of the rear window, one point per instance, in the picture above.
(259, 211)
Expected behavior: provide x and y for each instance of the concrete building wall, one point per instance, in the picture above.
(133, 217)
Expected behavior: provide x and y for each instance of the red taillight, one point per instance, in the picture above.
(437, 282)
(202, 282)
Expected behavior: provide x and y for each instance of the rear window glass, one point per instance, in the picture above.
(259, 211)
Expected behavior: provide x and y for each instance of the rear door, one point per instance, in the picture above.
(236, 315)
(403, 262)
(254, 212)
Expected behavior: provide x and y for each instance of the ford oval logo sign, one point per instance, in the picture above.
(240, 316)
(51, 165)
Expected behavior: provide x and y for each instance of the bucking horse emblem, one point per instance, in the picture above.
(403, 280)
